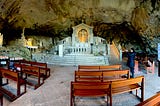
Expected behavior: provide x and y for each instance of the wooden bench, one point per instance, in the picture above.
(84, 89)
(152, 101)
(99, 68)
(43, 67)
(122, 86)
(112, 75)
(33, 71)
(14, 76)
(101, 76)
(89, 89)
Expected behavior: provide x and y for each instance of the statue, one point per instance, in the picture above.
(23, 38)
(1, 40)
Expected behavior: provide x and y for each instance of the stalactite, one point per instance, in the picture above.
(139, 19)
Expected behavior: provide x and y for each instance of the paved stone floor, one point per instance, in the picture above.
(56, 91)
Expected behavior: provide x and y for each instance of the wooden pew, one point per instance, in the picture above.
(99, 68)
(33, 71)
(88, 68)
(90, 76)
(122, 86)
(152, 101)
(14, 76)
(101, 76)
(110, 67)
(43, 67)
(112, 75)
(89, 89)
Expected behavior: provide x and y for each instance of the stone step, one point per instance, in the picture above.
(71, 59)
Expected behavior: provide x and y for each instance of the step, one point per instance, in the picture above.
(88, 59)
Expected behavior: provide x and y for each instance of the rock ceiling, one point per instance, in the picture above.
(122, 19)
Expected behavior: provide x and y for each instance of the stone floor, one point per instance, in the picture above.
(56, 91)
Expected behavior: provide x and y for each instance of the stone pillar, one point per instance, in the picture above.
(108, 45)
(120, 52)
(61, 50)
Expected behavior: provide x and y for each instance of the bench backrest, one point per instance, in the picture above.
(38, 64)
(25, 62)
(101, 68)
(88, 76)
(152, 101)
(5, 73)
(78, 88)
(110, 67)
(97, 76)
(121, 83)
(88, 68)
(110, 75)
(30, 70)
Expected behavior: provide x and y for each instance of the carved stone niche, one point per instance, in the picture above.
(82, 35)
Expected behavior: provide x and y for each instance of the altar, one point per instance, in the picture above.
(83, 41)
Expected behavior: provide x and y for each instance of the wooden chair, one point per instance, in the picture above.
(150, 69)
(89, 89)
(152, 101)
